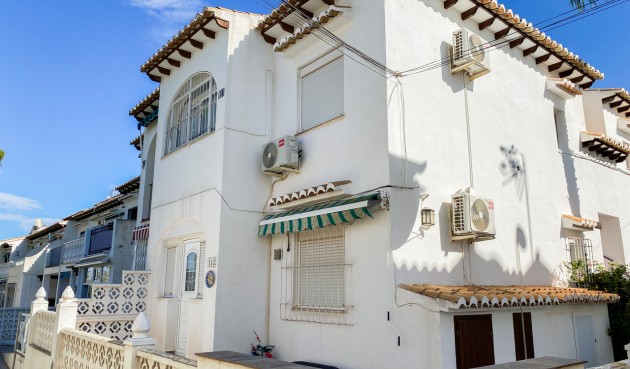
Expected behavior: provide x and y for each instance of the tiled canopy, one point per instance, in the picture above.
(463, 297)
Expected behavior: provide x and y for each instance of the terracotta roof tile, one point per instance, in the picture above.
(138, 110)
(464, 297)
(44, 231)
(539, 37)
(136, 141)
(129, 186)
(198, 23)
(307, 192)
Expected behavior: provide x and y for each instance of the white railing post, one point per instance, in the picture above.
(140, 338)
(627, 347)
(66, 318)
(40, 302)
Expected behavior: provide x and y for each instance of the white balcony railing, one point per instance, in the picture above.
(140, 255)
(72, 251)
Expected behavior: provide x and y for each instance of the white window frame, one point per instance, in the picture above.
(170, 273)
(324, 297)
(307, 70)
(180, 128)
(195, 272)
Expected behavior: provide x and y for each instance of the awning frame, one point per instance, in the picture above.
(344, 211)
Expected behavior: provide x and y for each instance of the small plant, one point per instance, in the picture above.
(578, 271)
(260, 350)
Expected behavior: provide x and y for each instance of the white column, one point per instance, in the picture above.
(66, 318)
(40, 302)
(140, 338)
(627, 347)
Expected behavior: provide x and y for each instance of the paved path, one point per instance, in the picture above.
(4, 365)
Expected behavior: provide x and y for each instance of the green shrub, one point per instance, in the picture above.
(612, 279)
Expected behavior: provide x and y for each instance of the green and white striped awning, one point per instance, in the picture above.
(320, 215)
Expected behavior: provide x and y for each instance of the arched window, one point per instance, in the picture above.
(191, 272)
(193, 112)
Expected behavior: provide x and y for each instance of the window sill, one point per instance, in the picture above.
(323, 310)
(189, 143)
(329, 122)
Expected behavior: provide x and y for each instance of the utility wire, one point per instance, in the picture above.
(299, 19)
(504, 41)
(328, 37)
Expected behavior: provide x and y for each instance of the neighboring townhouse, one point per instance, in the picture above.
(96, 245)
(43, 244)
(7, 293)
(434, 209)
(26, 263)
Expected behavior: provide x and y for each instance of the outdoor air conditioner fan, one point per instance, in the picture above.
(469, 54)
(281, 156)
(472, 216)
(480, 215)
(270, 155)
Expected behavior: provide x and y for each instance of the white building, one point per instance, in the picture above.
(97, 244)
(7, 290)
(332, 264)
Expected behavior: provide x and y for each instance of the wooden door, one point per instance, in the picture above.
(474, 344)
(523, 336)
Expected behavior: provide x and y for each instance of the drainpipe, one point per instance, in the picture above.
(269, 106)
(470, 160)
(270, 136)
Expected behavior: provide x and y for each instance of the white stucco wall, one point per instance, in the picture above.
(409, 135)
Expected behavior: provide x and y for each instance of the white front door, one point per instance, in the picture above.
(189, 271)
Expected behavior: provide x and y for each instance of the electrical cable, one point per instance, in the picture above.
(328, 37)
(506, 40)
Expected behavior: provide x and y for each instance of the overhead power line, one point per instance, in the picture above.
(299, 19)
(506, 40)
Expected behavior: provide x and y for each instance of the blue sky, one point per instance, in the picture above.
(70, 73)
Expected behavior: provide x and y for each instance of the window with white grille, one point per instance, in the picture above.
(580, 252)
(321, 91)
(316, 277)
(192, 113)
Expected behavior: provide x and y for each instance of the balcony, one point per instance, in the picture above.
(100, 240)
(54, 257)
(72, 251)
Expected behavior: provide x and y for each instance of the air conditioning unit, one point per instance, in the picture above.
(281, 156)
(469, 54)
(472, 216)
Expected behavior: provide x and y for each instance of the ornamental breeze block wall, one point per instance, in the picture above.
(113, 307)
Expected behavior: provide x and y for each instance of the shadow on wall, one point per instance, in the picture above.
(513, 167)
(568, 162)
(472, 268)
(407, 202)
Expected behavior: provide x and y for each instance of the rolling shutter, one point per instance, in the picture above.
(321, 269)
(202, 269)
(322, 94)
(169, 272)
